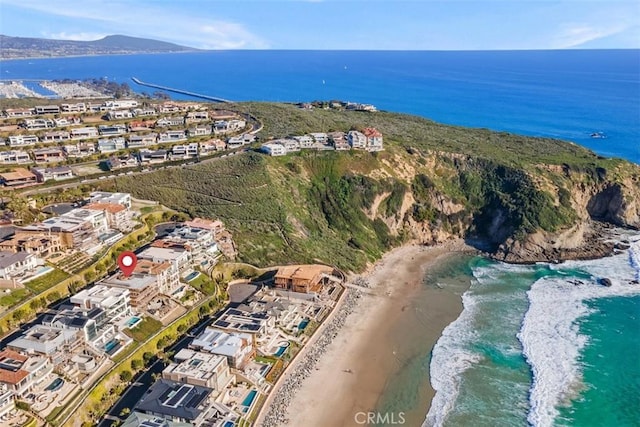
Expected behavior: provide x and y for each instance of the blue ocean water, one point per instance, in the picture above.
(565, 94)
(544, 345)
(530, 347)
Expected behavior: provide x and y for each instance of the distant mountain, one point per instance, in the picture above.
(26, 47)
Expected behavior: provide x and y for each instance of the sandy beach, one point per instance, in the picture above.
(351, 375)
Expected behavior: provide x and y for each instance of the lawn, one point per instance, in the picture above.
(45, 282)
(144, 329)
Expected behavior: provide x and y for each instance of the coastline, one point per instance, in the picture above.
(354, 369)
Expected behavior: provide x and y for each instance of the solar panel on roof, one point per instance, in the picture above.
(178, 396)
(196, 399)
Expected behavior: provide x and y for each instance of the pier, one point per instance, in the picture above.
(180, 91)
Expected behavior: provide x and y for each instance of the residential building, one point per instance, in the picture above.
(78, 107)
(82, 149)
(200, 130)
(110, 145)
(96, 218)
(138, 419)
(38, 243)
(84, 323)
(166, 276)
(20, 373)
(20, 177)
(55, 344)
(303, 278)
(141, 125)
(144, 112)
(116, 214)
(356, 139)
(22, 140)
(177, 402)
(142, 140)
(56, 136)
(291, 145)
(237, 141)
(192, 149)
(215, 226)
(178, 150)
(339, 141)
(7, 400)
(305, 141)
(238, 320)
(115, 129)
(38, 124)
(212, 145)
(120, 104)
(14, 265)
(226, 126)
(320, 137)
(170, 121)
(179, 258)
(15, 157)
(374, 139)
(67, 121)
(124, 161)
(115, 302)
(75, 233)
(48, 155)
(47, 109)
(142, 288)
(172, 136)
(84, 132)
(237, 347)
(19, 112)
(200, 369)
(197, 116)
(59, 173)
(123, 199)
(119, 115)
(273, 149)
(153, 156)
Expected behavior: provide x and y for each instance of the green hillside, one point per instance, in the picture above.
(347, 208)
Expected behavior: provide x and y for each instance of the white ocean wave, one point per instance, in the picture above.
(449, 359)
(550, 335)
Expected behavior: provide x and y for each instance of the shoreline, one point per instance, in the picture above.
(351, 367)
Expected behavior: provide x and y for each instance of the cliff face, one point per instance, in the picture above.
(570, 222)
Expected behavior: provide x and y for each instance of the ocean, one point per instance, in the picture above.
(565, 94)
(542, 345)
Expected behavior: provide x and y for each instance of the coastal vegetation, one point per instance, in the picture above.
(431, 183)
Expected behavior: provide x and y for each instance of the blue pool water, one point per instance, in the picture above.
(249, 399)
(110, 345)
(229, 424)
(192, 276)
(280, 351)
(133, 321)
(303, 324)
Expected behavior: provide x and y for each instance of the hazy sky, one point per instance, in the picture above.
(335, 24)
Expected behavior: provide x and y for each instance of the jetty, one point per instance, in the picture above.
(180, 91)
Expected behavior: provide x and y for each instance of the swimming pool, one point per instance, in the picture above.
(131, 322)
(280, 351)
(229, 424)
(192, 276)
(249, 399)
(303, 324)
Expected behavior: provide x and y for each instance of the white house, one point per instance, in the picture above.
(273, 149)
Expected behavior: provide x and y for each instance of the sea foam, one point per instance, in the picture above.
(550, 335)
(452, 354)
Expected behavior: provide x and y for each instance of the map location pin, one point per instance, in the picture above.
(127, 262)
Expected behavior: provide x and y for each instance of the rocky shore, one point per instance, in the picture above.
(276, 414)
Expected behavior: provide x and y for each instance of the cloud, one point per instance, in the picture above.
(576, 34)
(194, 26)
(73, 36)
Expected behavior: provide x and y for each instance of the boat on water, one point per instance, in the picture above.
(598, 135)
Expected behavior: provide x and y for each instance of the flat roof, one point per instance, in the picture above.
(18, 173)
(302, 272)
(174, 399)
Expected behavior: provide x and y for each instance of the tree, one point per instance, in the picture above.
(126, 376)
(136, 364)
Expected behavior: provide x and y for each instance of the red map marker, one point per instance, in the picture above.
(127, 262)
